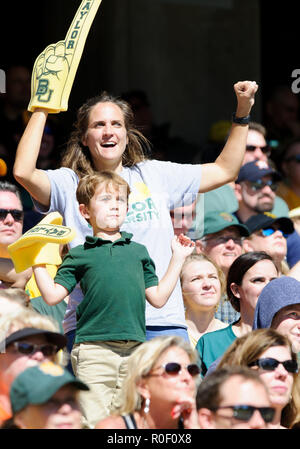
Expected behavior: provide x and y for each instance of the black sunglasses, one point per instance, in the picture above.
(174, 368)
(245, 412)
(30, 348)
(16, 214)
(224, 239)
(295, 158)
(269, 364)
(266, 149)
(259, 184)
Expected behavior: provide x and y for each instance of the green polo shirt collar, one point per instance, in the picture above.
(92, 241)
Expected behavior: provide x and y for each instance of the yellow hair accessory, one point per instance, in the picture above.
(55, 68)
(40, 245)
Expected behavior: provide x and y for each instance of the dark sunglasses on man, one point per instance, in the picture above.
(17, 214)
(30, 348)
(266, 149)
(260, 184)
(245, 412)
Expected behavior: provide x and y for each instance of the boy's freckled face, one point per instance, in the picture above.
(108, 208)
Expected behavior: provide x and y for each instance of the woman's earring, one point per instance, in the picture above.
(147, 405)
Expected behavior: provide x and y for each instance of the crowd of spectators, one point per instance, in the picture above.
(177, 304)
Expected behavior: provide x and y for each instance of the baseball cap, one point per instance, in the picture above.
(252, 171)
(215, 221)
(53, 337)
(37, 384)
(261, 221)
(277, 294)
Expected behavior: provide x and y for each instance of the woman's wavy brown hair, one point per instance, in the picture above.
(77, 156)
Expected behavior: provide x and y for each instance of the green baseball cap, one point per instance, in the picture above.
(215, 221)
(37, 384)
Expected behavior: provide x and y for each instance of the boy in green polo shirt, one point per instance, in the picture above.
(116, 275)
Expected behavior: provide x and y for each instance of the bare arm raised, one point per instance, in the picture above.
(226, 167)
(35, 181)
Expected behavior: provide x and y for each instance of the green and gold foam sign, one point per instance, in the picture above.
(55, 68)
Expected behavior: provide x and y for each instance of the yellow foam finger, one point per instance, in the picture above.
(55, 68)
(40, 245)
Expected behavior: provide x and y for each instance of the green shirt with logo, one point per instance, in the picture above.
(113, 277)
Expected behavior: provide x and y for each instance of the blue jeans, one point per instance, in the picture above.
(157, 331)
(70, 341)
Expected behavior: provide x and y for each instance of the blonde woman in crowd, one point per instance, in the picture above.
(203, 284)
(160, 390)
(247, 277)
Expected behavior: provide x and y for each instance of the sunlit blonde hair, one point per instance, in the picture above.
(17, 295)
(22, 318)
(142, 361)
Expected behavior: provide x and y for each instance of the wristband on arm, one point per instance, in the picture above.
(241, 120)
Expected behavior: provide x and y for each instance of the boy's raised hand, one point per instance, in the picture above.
(182, 246)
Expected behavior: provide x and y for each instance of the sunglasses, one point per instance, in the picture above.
(30, 348)
(245, 412)
(16, 214)
(259, 185)
(269, 364)
(224, 239)
(266, 232)
(265, 149)
(295, 158)
(174, 368)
